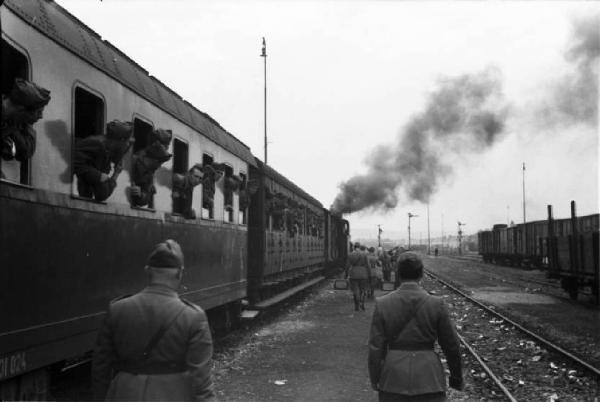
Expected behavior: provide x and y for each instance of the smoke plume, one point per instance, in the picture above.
(463, 114)
(574, 98)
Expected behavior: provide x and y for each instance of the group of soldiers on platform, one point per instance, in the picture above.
(367, 269)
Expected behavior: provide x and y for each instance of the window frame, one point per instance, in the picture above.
(210, 215)
(135, 115)
(80, 84)
(27, 167)
(244, 219)
(187, 144)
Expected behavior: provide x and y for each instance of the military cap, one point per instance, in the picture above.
(119, 130)
(167, 254)
(28, 94)
(158, 152)
(162, 136)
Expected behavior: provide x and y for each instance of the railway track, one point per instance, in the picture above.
(519, 363)
(518, 279)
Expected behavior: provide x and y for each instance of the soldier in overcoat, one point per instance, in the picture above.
(21, 108)
(96, 155)
(154, 345)
(406, 323)
(359, 275)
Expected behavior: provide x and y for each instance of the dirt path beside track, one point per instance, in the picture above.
(315, 352)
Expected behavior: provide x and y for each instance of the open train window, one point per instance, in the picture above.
(180, 166)
(228, 196)
(89, 114)
(141, 133)
(243, 200)
(208, 190)
(14, 65)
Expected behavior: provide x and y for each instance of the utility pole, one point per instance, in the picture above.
(428, 232)
(442, 231)
(524, 216)
(460, 236)
(379, 230)
(264, 55)
(410, 216)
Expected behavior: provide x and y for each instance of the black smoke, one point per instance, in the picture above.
(574, 98)
(462, 115)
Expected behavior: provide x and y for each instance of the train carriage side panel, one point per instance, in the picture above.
(63, 258)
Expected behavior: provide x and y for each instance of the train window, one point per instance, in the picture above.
(180, 166)
(208, 190)
(14, 65)
(141, 133)
(243, 200)
(228, 195)
(89, 114)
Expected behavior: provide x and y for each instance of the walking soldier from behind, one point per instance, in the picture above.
(154, 345)
(21, 108)
(357, 271)
(94, 156)
(406, 324)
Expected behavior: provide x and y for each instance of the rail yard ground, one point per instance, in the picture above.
(314, 347)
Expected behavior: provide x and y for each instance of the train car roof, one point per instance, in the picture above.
(68, 31)
(278, 177)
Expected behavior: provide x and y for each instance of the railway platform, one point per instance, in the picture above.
(314, 351)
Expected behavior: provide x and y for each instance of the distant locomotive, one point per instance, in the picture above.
(63, 257)
(567, 248)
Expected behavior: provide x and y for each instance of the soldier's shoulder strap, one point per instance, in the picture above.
(190, 304)
(116, 299)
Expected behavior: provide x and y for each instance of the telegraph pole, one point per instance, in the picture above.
(428, 232)
(264, 56)
(460, 236)
(409, 218)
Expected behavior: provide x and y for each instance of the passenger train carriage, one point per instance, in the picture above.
(64, 257)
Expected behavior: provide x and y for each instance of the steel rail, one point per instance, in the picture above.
(535, 336)
(487, 369)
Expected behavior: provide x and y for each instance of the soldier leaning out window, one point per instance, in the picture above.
(21, 108)
(212, 174)
(93, 158)
(145, 162)
(183, 190)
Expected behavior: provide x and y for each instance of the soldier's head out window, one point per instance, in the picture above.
(89, 114)
(14, 64)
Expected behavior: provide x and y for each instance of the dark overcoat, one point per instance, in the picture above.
(405, 325)
(187, 344)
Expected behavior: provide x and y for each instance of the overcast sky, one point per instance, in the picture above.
(387, 105)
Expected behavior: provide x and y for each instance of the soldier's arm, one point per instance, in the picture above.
(83, 160)
(377, 347)
(198, 359)
(103, 361)
(448, 340)
(24, 143)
